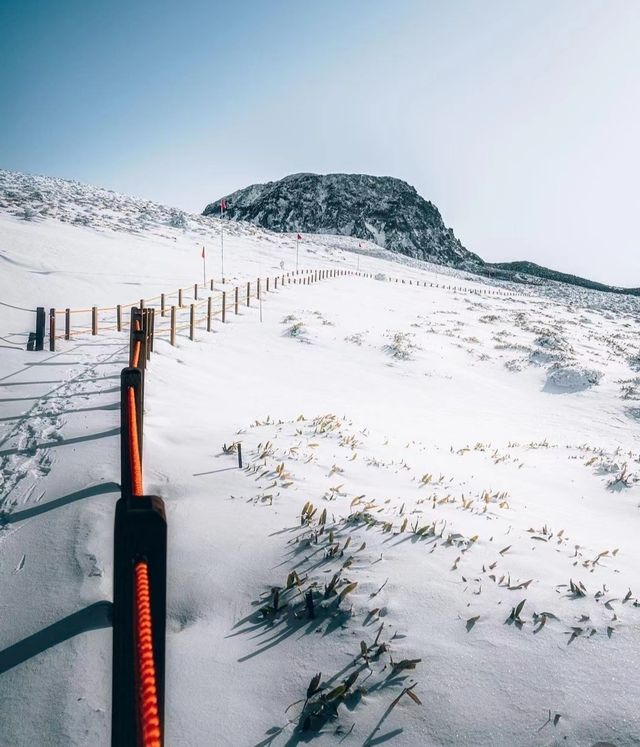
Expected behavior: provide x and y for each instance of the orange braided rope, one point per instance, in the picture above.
(135, 357)
(149, 715)
(134, 448)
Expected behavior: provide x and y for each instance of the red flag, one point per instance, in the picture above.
(299, 237)
(202, 252)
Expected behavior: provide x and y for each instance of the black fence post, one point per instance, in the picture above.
(40, 326)
(52, 329)
(239, 455)
(140, 534)
(148, 331)
(153, 329)
(138, 335)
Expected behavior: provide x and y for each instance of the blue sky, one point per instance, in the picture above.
(518, 119)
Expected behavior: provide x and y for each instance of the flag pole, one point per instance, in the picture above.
(204, 269)
(221, 240)
(297, 248)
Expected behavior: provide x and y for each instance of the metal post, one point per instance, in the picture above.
(224, 306)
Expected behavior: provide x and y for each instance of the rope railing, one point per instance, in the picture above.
(151, 735)
(218, 302)
(104, 319)
(140, 558)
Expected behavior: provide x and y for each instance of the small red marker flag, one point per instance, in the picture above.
(202, 252)
(299, 237)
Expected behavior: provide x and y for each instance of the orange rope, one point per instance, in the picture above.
(149, 714)
(135, 358)
(134, 448)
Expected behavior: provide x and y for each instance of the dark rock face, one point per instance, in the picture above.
(381, 209)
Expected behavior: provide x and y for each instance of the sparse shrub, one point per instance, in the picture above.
(401, 345)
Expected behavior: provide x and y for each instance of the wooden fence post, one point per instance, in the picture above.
(67, 324)
(209, 314)
(180, 298)
(119, 318)
(142, 303)
(94, 320)
(236, 300)
(195, 291)
(211, 285)
(162, 304)
(248, 292)
(173, 325)
(224, 306)
(258, 289)
(267, 289)
(192, 321)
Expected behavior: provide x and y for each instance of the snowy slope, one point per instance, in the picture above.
(477, 458)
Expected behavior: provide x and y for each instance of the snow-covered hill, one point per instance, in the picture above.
(380, 209)
(463, 468)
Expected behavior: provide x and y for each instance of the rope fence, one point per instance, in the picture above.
(181, 317)
(140, 567)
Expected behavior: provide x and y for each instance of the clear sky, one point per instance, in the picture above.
(519, 119)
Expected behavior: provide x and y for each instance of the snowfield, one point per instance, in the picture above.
(433, 540)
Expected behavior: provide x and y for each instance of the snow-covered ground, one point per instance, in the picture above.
(441, 493)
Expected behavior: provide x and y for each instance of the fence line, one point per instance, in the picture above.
(179, 317)
(103, 319)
